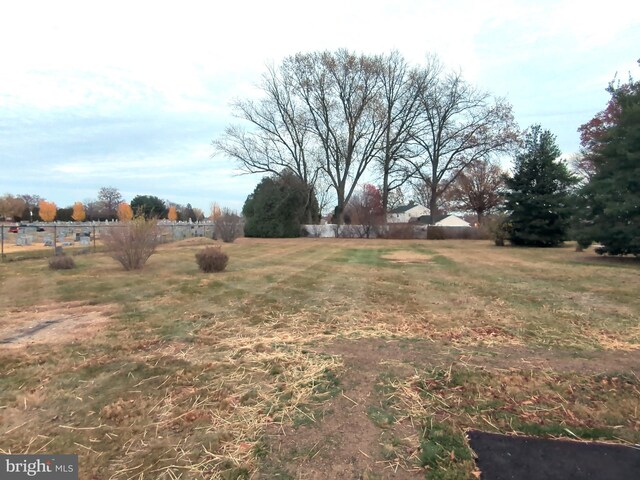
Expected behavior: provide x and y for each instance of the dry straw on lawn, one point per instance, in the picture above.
(236, 410)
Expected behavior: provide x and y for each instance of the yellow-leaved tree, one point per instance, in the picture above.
(47, 211)
(78, 215)
(173, 214)
(216, 211)
(125, 213)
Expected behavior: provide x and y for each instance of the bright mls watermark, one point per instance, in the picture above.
(46, 467)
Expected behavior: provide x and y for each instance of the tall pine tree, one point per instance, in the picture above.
(610, 203)
(538, 198)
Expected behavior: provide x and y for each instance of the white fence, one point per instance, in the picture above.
(393, 230)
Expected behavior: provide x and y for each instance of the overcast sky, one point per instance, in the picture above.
(131, 94)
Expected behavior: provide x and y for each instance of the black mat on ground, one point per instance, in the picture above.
(506, 457)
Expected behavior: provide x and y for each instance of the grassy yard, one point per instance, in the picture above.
(315, 358)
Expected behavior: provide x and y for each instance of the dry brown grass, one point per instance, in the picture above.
(407, 257)
(187, 375)
(53, 323)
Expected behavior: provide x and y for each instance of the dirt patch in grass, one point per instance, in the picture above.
(404, 256)
(389, 420)
(351, 436)
(53, 323)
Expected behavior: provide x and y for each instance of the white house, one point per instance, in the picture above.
(406, 213)
(444, 221)
(452, 221)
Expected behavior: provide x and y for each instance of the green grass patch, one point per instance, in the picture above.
(444, 452)
(443, 261)
(364, 256)
(380, 417)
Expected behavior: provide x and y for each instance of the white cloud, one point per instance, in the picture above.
(134, 62)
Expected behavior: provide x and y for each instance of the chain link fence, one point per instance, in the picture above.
(37, 239)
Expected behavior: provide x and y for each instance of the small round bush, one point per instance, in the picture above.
(62, 262)
(212, 259)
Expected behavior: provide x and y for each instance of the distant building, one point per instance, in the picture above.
(407, 213)
(444, 220)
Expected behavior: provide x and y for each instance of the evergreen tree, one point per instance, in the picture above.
(149, 206)
(609, 210)
(278, 206)
(538, 198)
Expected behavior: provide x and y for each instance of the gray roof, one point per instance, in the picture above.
(403, 208)
(428, 220)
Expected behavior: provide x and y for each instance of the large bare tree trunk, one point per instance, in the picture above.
(340, 91)
(400, 103)
(433, 203)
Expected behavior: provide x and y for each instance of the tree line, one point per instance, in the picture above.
(599, 201)
(328, 120)
(109, 205)
(333, 118)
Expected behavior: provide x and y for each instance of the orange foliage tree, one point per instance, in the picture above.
(125, 213)
(47, 211)
(173, 214)
(216, 212)
(78, 214)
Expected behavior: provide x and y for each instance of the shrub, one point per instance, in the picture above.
(456, 233)
(132, 243)
(212, 259)
(61, 262)
(600, 249)
(400, 231)
(499, 227)
(436, 233)
(228, 226)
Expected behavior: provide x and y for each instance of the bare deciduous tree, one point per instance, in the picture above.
(215, 211)
(422, 194)
(280, 139)
(12, 207)
(479, 188)
(324, 194)
(199, 214)
(341, 91)
(582, 165)
(401, 89)
(31, 202)
(396, 198)
(228, 226)
(109, 198)
(328, 117)
(458, 125)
